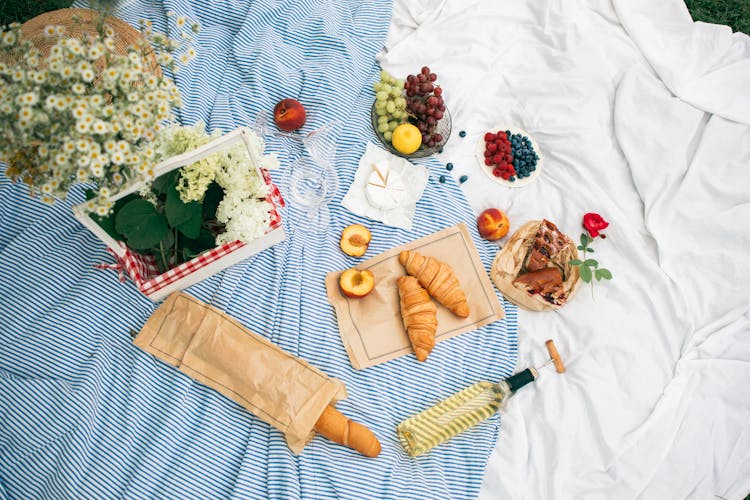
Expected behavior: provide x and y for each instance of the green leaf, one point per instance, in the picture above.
(590, 250)
(140, 223)
(590, 263)
(581, 248)
(212, 198)
(598, 275)
(168, 241)
(576, 262)
(179, 213)
(606, 274)
(108, 222)
(161, 184)
(193, 247)
(586, 274)
(585, 239)
(192, 227)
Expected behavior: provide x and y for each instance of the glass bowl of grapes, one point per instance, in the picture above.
(417, 100)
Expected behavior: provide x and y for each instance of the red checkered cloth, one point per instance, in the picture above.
(144, 272)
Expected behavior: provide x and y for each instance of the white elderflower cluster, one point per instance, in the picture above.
(84, 113)
(243, 209)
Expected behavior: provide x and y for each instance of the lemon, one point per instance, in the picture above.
(406, 138)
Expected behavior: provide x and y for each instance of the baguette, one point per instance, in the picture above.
(340, 429)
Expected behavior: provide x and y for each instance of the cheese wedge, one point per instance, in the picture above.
(385, 187)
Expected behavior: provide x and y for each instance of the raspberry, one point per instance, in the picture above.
(487, 152)
(497, 172)
(488, 137)
(506, 175)
(492, 147)
(497, 159)
(488, 161)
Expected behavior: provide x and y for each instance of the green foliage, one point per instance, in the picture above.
(170, 229)
(589, 268)
(734, 13)
(23, 10)
(141, 225)
(186, 217)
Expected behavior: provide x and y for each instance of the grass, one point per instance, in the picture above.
(23, 10)
(735, 13)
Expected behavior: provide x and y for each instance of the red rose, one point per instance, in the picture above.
(593, 223)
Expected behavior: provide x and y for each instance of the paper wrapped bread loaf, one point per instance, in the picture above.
(280, 389)
(533, 269)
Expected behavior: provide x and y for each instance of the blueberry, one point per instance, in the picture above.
(463, 179)
(442, 179)
(462, 133)
(512, 179)
(533, 167)
(449, 166)
(507, 132)
(440, 150)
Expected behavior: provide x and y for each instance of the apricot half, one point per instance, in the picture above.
(355, 283)
(355, 239)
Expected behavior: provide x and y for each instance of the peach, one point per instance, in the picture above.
(289, 114)
(493, 224)
(355, 240)
(355, 283)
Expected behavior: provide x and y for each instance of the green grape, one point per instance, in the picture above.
(387, 88)
(400, 85)
(388, 135)
(383, 128)
(382, 119)
(381, 95)
(395, 92)
(384, 74)
(377, 86)
(381, 104)
(390, 107)
(400, 102)
(381, 112)
(392, 125)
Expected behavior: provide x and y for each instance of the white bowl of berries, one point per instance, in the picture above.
(417, 100)
(509, 156)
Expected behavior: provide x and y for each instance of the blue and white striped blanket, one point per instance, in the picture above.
(85, 414)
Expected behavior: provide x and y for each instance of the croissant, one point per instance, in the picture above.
(340, 429)
(419, 314)
(438, 279)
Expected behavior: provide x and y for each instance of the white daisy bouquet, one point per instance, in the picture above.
(85, 112)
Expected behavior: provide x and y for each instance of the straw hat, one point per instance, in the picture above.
(79, 22)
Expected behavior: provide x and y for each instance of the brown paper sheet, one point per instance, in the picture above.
(216, 350)
(508, 262)
(371, 327)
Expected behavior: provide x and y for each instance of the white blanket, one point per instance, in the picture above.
(642, 116)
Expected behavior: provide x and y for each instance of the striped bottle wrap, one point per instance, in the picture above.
(452, 416)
